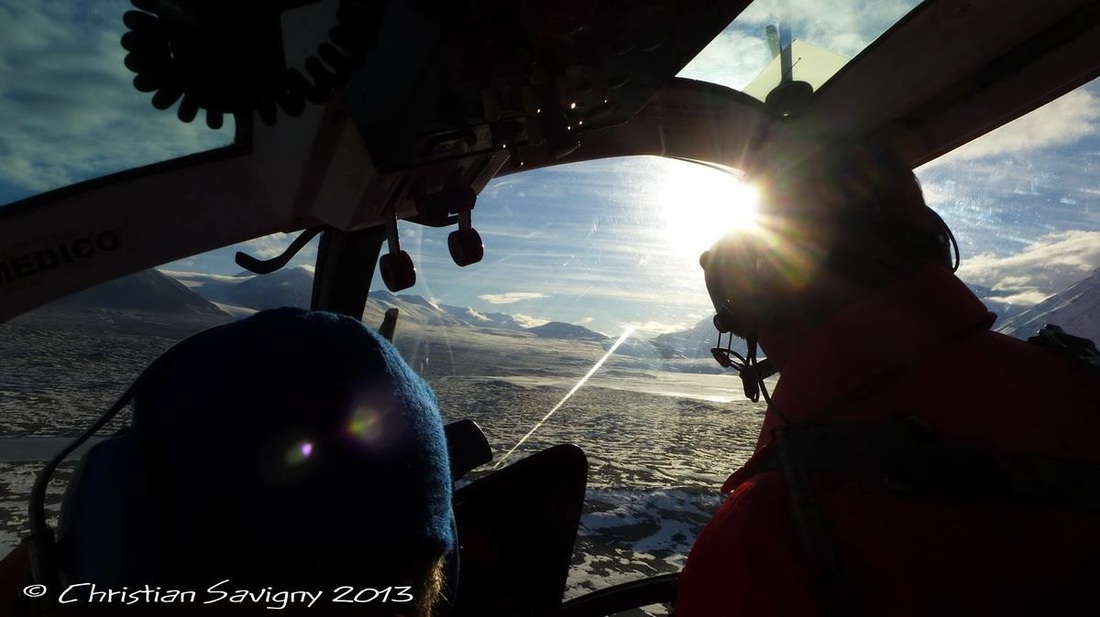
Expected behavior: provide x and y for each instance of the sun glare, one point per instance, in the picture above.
(701, 204)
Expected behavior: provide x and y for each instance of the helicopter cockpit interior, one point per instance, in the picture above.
(529, 184)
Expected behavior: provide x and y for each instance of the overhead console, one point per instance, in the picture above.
(458, 79)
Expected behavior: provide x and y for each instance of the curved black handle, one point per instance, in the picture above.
(267, 266)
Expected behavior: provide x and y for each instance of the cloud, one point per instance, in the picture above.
(67, 105)
(526, 321)
(1027, 298)
(201, 277)
(845, 32)
(1047, 266)
(469, 311)
(732, 59)
(653, 328)
(1063, 121)
(511, 297)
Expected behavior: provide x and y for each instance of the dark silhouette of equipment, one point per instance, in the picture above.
(228, 57)
(396, 267)
(267, 266)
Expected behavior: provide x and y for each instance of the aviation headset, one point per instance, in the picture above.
(857, 190)
(108, 528)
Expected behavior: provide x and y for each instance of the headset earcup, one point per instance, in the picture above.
(734, 284)
(105, 531)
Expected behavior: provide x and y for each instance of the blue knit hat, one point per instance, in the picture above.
(289, 444)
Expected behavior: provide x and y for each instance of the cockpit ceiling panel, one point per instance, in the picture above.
(943, 76)
(494, 75)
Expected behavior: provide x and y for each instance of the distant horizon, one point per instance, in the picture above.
(1006, 315)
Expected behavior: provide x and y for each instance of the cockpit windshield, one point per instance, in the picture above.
(67, 107)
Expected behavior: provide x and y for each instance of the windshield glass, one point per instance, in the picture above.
(586, 323)
(1024, 203)
(822, 38)
(67, 106)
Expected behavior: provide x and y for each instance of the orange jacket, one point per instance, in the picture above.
(919, 347)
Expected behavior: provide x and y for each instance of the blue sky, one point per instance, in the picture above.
(606, 243)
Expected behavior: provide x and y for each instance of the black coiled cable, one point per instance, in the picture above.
(227, 57)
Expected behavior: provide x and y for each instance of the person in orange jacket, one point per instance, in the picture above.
(911, 461)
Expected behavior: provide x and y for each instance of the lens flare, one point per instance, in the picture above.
(592, 371)
(298, 453)
(794, 251)
(366, 424)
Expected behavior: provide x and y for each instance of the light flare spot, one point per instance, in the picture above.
(298, 453)
(367, 424)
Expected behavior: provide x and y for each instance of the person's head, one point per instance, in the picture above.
(291, 450)
(836, 222)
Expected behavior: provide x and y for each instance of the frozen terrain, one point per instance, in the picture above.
(659, 442)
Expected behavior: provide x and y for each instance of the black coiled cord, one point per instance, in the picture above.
(227, 57)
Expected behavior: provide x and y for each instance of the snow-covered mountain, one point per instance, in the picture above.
(294, 287)
(413, 308)
(560, 330)
(695, 342)
(245, 289)
(469, 316)
(1076, 309)
(148, 291)
(286, 287)
(994, 301)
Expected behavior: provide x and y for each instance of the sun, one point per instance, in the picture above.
(700, 204)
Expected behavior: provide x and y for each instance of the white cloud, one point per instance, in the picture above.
(469, 311)
(1026, 298)
(200, 278)
(511, 297)
(67, 105)
(1047, 266)
(526, 321)
(732, 59)
(653, 328)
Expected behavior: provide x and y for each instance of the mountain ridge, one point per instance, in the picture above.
(148, 291)
(1071, 308)
(1076, 309)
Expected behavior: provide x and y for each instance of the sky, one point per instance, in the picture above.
(606, 243)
